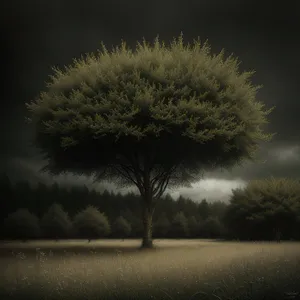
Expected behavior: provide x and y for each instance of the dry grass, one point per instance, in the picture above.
(178, 269)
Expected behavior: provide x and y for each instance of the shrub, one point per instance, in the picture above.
(121, 227)
(21, 224)
(135, 222)
(179, 226)
(56, 222)
(91, 223)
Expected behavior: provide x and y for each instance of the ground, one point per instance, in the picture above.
(175, 269)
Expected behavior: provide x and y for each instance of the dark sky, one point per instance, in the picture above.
(38, 34)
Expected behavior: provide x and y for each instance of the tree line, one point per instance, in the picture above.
(172, 218)
(264, 210)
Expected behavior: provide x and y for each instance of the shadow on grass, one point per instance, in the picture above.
(75, 247)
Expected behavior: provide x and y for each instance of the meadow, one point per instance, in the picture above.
(175, 269)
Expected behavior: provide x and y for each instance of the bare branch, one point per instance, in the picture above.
(159, 190)
(156, 178)
(134, 169)
(127, 168)
(125, 174)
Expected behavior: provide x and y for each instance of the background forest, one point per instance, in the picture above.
(59, 212)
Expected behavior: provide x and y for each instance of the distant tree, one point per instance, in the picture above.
(106, 195)
(167, 205)
(211, 228)
(5, 187)
(121, 228)
(6, 196)
(218, 209)
(265, 209)
(137, 227)
(193, 225)
(162, 226)
(128, 215)
(135, 222)
(181, 203)
(190, 208)
(120, 115)
(22, 224)
(22, 194)
(77, 195)
(179, 226)
(56, 223)
(55, 190)
(204, 209)
(91, 223)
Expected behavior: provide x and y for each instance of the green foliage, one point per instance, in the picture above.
(153, 99)
(179, 226)
(193, 226)
(204, 209)
(211, 228)
(91, 223)
(135, 222)
(186, 204)
(121, 228)
(218, 209)
(264, 207)
(56, 222)
(137, 227)
(161, 226)
(21, 224)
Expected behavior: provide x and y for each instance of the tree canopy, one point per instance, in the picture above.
(56, 223)
(264, 206)
(146, 103)
(22, 224)
(92, 223)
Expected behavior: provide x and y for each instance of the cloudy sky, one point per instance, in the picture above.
(38, 34)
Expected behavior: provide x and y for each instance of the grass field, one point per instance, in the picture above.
(175, 269)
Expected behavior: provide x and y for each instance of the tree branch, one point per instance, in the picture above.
(156, 178)
(161, 174)
(134, 169)
(126, 175)
(159, 190)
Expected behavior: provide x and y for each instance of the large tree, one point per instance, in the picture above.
(151, 117)
(265, 209)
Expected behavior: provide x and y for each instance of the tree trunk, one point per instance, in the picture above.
(277, 235)
(147, 230)
(148, 207)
